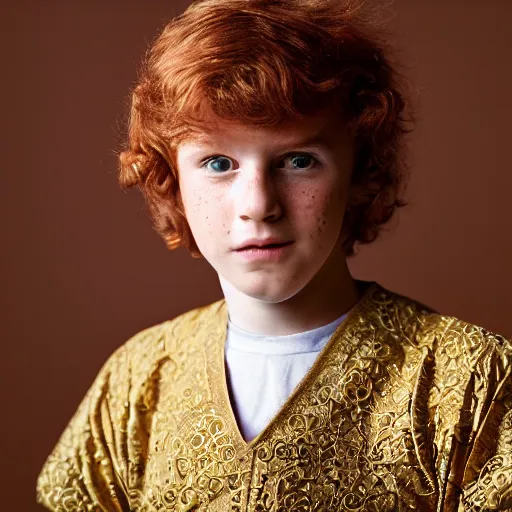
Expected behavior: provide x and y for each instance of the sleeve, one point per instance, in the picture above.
(487, 480)
(83, 473)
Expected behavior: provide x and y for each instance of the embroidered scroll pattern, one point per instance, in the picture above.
(348, 443)
(404, 402)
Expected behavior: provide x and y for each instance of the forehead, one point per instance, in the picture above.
(323, 128)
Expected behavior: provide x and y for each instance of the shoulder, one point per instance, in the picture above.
(150, 346)
(444, 335)
(121, 398)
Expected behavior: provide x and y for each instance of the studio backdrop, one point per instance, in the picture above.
(82, 267)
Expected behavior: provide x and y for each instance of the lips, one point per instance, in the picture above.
(268, 243)
(267, 246)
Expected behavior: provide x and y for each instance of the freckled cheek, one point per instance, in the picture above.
(314, 206)
(207, 219)
(318, 212)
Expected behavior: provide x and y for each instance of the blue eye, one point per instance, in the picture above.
(300, 161)
(303, 161)
(220, 164)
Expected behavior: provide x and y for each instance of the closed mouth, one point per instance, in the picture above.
(268, 246)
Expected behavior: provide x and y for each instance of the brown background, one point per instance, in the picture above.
(82, 267)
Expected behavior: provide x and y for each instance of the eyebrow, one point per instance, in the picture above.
(315, 140)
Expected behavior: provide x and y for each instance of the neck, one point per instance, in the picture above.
(330, 294)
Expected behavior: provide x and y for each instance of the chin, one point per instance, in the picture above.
(273, 294)
(267, 288)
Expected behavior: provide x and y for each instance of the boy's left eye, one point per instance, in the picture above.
(302, 160)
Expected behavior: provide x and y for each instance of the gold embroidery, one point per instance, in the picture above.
(404, 409)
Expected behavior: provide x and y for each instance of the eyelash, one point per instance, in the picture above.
(215, 157)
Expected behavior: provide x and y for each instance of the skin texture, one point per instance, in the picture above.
(259, 186)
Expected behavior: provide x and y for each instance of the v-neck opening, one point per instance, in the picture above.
(241, 445)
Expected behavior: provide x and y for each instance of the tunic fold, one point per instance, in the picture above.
(402, 409)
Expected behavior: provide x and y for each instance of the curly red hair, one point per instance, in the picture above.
(262, 62)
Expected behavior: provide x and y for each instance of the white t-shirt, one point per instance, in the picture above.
(262, 371)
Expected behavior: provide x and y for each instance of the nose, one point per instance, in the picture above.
(257, 195)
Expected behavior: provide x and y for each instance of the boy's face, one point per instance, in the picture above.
(289, 182)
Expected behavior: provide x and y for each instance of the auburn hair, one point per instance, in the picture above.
(262, 62)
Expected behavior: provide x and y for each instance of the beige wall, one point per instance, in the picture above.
(83, 269)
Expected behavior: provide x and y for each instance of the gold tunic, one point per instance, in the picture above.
(403, 409)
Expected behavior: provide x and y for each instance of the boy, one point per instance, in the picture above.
(267, 137)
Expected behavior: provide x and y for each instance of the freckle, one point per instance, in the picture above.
(229, 232)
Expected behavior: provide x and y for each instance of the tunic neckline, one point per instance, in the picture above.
(217, 377)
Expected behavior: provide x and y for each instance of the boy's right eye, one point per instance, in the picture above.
(219, 164)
